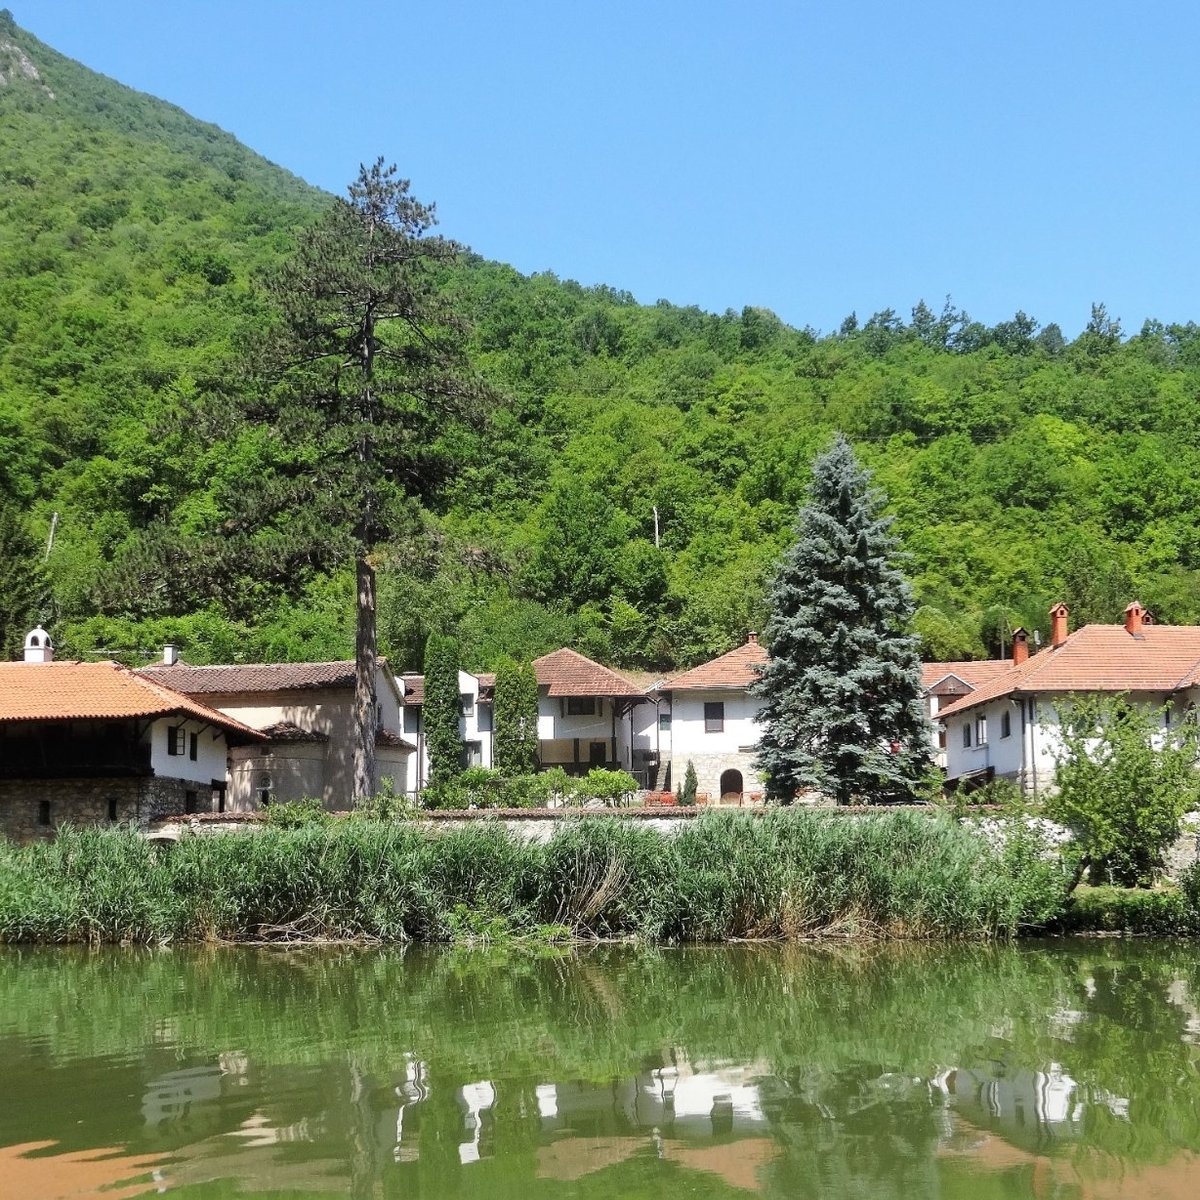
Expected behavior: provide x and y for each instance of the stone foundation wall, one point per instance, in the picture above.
(31, 809)
(709, 768)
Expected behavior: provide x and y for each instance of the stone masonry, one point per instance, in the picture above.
(31, 809)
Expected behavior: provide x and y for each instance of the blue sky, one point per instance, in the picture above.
(812, 158)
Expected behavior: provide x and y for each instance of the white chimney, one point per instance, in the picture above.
(170, 654)
(38, 646)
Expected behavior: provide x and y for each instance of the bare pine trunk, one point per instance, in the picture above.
(366, 711)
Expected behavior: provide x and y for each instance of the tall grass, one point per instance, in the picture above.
(781, 875)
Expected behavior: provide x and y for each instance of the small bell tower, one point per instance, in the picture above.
(38, 646)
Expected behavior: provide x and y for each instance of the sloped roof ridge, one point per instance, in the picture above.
(731, 670)
(80, 695)
(1162, 658)
(566, 672)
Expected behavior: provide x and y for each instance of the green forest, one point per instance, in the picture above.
(639, 471)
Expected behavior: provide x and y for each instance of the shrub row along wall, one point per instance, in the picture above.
(782, 874)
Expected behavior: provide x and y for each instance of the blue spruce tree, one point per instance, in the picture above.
(842, 708)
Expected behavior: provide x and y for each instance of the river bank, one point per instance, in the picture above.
(780, 874)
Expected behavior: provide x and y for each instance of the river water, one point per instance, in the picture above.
(1064, 1069)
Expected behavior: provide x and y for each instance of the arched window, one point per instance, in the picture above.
(263, 790)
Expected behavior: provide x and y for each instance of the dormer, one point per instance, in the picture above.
(38, 646)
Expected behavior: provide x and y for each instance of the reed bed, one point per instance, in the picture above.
(783, 875)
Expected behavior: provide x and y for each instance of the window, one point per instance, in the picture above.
(264, 789)
(112, 808)
(664, 721)
(581, 706)
(941, 739)
(191, 801)
(981, 730)
(1006, 724)
(193, 746)
(966, 735)
(43, 812)
(472, 754)
(412, 720)
(714, 716)
(175, 739)
(468, 704)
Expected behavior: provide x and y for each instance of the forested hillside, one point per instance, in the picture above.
(1021, 469)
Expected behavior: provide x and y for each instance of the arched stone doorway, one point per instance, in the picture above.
(731, 787)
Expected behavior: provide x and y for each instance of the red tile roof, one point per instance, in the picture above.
(252, 677)
(1100, 658)
(568, 673)
(414, 689)
(972, 673)
(735, 670)
(66, 691)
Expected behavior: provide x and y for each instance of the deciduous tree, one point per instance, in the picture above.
(1124, 778)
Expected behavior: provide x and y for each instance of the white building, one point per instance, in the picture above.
(707, 717)
(946, 683)
(1008, 727)
(585, 714)
(94, 742)
(306, 713)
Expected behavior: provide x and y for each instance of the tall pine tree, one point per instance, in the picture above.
(368, 373)
(842, 708)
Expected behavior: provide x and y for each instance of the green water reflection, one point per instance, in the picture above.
(1059, 1070)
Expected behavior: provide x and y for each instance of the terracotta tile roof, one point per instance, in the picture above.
(1100, 658)
(385, 737)
(65, 691)
(973, 673)
(414, 690)
(735, 670)
(568, 673)
(252, 677)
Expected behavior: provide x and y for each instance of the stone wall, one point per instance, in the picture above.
(710, 767)
(31, 809)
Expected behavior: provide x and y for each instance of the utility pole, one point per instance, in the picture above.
(50, 539)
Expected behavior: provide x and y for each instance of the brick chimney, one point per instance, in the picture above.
(1058, 624)
(752, 638)
(1135, 616)
(1020, 651)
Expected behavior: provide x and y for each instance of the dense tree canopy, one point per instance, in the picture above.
(635, 492)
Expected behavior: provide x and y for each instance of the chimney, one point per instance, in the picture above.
(1058, 624)
(170, 654)
(1135, 615)
(1020, 651)
(752, 638)
(38, 646)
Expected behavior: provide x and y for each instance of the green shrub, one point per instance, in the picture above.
(611, 787)
(1108, 909)
(291, 814)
